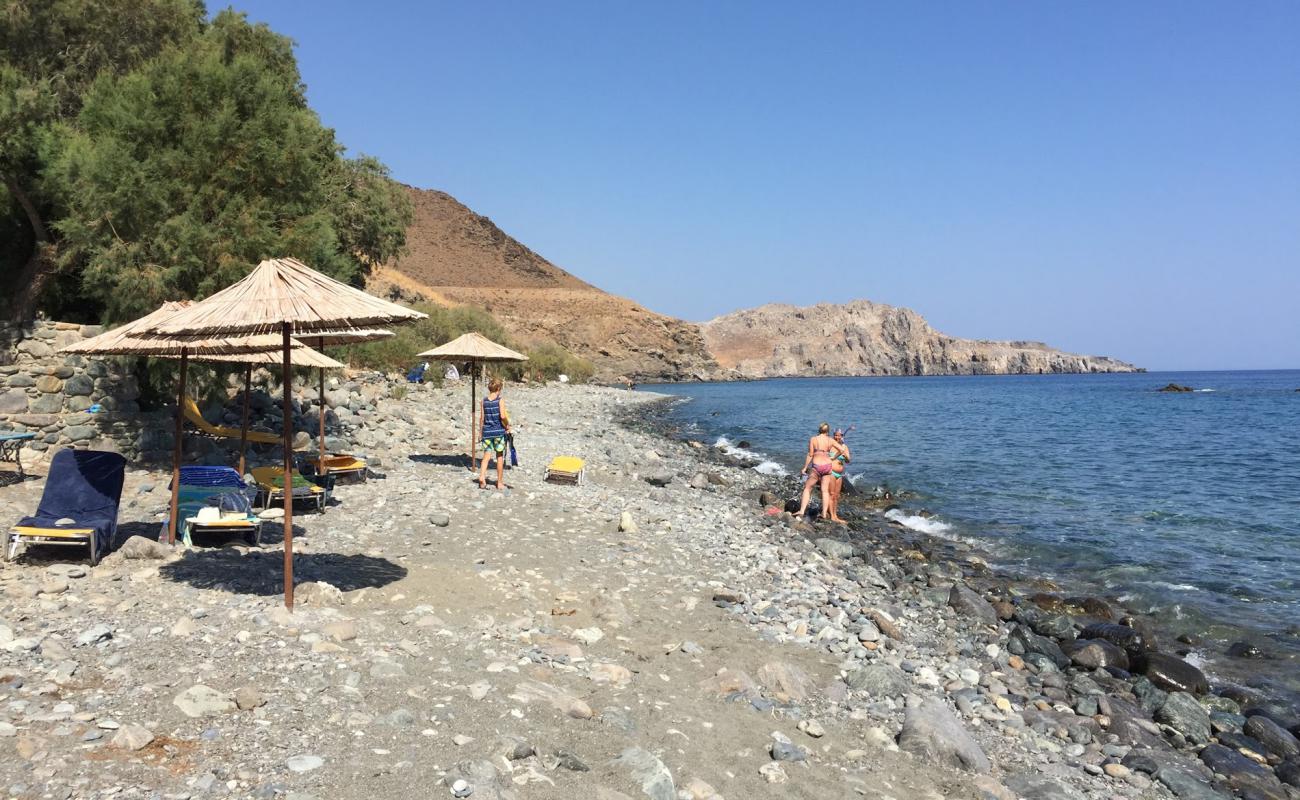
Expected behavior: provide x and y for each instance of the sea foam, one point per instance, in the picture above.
(917, 522)
(762, 465)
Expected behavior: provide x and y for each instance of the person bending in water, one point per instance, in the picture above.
(493, 427)
(820, 448)
(836, 478)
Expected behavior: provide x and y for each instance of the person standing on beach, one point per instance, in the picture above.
(493, 427)
(820, 449)
(836, 478)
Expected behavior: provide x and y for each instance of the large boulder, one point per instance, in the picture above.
(1096, 654)
(1037, 786)
(1277, 739)
(970, 605)
(933, 734)
(1182, 713)
(1130, 640)
(1171, 673)
(645, 771)
(879, 680)
(138, 547)
(834, 548)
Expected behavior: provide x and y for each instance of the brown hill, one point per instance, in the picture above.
(457, 257)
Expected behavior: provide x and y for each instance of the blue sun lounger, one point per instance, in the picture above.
(222, 490)
(78, 506)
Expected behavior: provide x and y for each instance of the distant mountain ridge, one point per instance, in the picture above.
(457, 257)
(866, 338)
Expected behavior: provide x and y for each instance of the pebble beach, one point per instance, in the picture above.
(657, 632)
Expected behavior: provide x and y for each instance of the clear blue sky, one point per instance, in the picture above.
(1113, 178)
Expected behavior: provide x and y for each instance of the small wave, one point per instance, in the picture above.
(724, 444)
(917, 522)
(1203, 390)
(1175, 587)
(770, 468)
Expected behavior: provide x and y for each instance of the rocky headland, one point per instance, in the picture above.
(866, 338)
(661, 632)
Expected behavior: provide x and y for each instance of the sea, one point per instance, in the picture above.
(1181, 506)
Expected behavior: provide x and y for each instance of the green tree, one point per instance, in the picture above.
(181, 175)
(174, 161)
(50, 52)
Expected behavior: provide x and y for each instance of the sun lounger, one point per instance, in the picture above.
(216, 500)
(195, 418)
(338, 465)
(270, 485)
(566, 469)
(78, 506)
(11, 448)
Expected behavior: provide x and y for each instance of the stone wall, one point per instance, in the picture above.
(69, 401)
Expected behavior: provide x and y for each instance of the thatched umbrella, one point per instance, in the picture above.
(328, 338)
(130, 340)
(286, 296)
(477, 349)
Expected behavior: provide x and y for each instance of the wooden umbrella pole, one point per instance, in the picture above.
(320, 464)
(243, 427)
(174, 514)
(288, 471)
(473, 410)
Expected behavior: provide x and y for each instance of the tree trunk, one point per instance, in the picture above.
(38, 270)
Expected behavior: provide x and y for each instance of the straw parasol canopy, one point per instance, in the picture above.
(284, 291)
(135, 339)
(475, 348)
(285, 296)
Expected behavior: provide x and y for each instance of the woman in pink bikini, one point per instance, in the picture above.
(821, 448)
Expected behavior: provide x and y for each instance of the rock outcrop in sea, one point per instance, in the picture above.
(866, 338)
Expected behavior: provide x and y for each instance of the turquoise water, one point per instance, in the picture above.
(1186, 506)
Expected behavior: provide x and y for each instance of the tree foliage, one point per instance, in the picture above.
(174, 155)
(546, 361)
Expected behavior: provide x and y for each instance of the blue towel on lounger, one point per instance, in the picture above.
(84, 486)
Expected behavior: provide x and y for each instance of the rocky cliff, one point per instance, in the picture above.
(457, 257)
(866, 338)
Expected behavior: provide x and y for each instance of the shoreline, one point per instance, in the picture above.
(870, 527)
(1182, 639)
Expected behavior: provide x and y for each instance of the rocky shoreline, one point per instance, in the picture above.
(653, 633)
(1154, 702)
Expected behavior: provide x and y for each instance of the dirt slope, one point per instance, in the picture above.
(457, 257)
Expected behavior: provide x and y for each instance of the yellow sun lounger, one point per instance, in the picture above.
(566, 469)
(195, 417)
(270, 484)
(340, 465)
